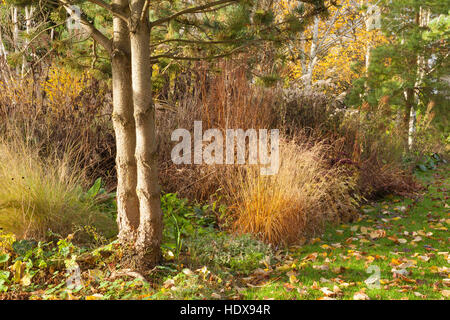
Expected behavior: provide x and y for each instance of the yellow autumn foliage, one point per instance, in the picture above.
(343, 44)
(62, 88)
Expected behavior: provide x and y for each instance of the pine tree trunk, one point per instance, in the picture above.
(150, 227)
(125, 129)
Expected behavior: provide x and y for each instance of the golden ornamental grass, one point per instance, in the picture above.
(38, 196)
(295, 203)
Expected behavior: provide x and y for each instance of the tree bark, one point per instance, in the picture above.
(28, 23)
(15, 22)
(148, 191)
(3, 51)
(412, 127)
(312, 54)
(422, 19)
(125, 129)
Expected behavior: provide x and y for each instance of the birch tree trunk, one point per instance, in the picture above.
(422, 19)
(28, 22)
(316, 46)
(148, 191)
(367, 17)
(312, 53)
(409, 99)
(4, 54)
(3, 51)
(125, 128)
(15, 22)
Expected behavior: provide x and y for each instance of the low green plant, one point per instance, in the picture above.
(103, 201)
(191, 229)
(22, 261)
(183, 220)
(237, 253)
(430, 162)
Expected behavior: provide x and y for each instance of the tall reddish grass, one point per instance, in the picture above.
(222, 100)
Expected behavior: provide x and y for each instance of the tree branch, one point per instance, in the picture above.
(238, 40)
(146, 5)
(192, 10)
(110, 8)
(103, 40)
(170, 56)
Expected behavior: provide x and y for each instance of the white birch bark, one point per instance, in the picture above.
(423, 19)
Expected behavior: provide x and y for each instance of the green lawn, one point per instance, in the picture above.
(404, 241)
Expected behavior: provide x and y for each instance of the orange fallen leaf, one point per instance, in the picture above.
(445, 293)
(360, 296)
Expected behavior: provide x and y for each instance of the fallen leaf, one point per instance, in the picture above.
(168, 283)
(337, 290)
(95, 297)
(446, 282)
(424, 258)
(188, 272)
(327, 292)
(315, 286)
(360, 296)
(322, 267)
(377, 234)
(293, 279)
(445, 293)
(288, 287)
(323, 280)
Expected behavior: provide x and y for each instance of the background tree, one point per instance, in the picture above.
(335, 47)
(410, 66)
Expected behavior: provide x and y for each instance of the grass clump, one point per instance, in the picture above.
(296, 202)
(40, 197)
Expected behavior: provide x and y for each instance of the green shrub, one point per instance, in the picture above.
(240, 254)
